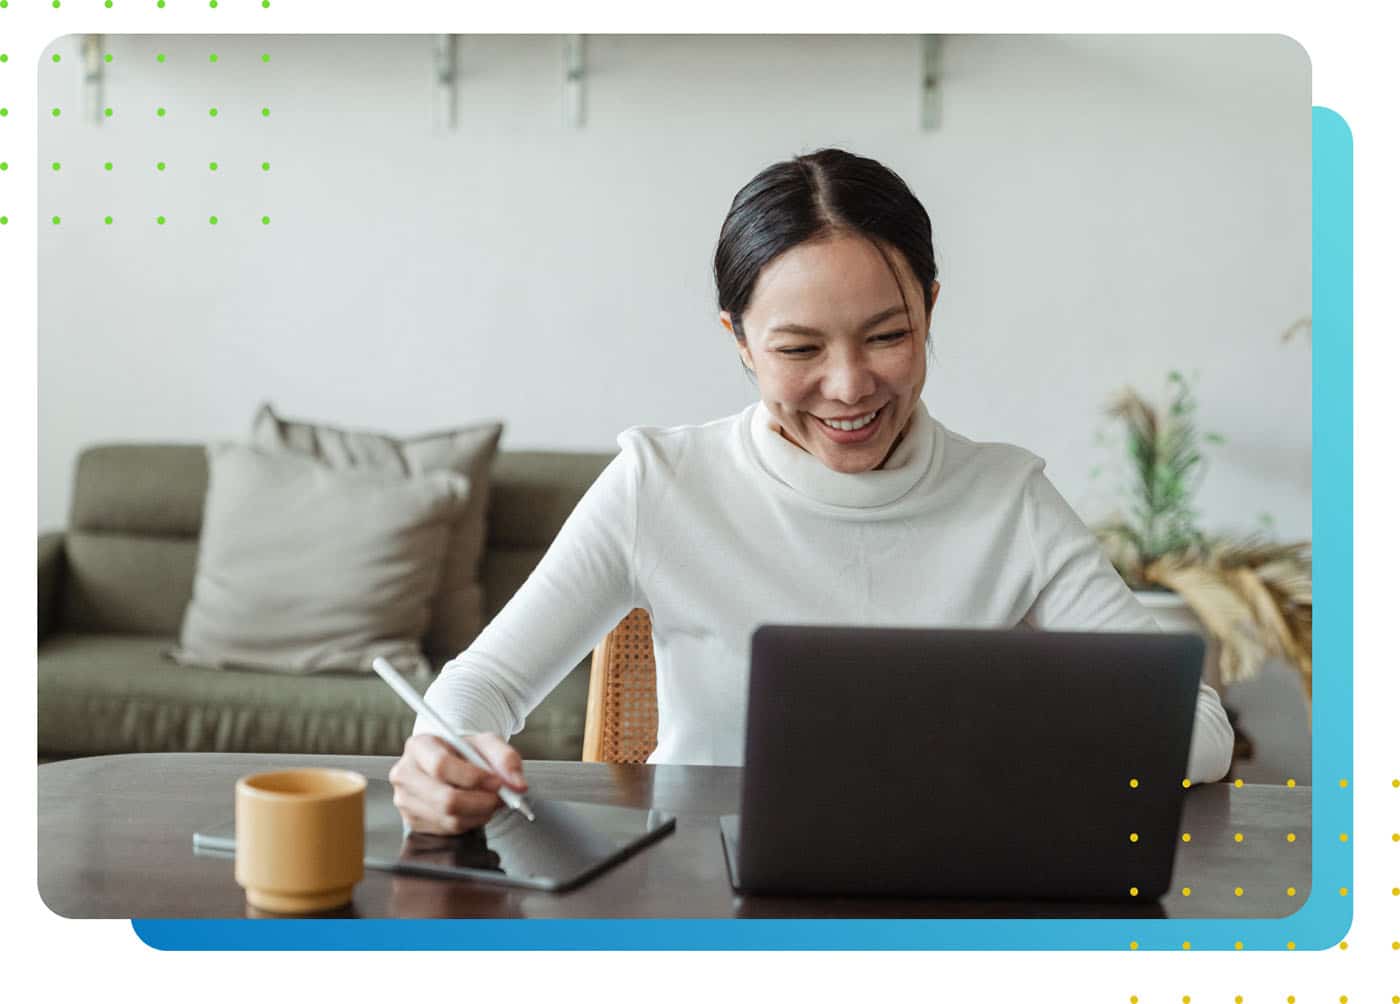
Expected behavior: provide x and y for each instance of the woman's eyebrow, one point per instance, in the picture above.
(802, 329)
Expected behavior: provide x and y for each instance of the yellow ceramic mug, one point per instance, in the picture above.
(300, 838)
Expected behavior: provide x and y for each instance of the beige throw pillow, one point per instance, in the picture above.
(304, 568)
(458, 609)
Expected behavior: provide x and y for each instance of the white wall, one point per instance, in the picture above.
(1105, 209)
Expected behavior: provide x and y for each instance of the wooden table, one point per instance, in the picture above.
(115, 841)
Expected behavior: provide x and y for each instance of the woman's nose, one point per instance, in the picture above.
(849, 381)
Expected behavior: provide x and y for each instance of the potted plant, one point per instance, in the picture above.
(1251, 597)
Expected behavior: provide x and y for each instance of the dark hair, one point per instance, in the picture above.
(813, 196)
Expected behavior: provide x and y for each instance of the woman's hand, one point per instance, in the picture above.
(436, 790)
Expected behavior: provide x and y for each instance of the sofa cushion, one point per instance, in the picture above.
(119, 694)
(533, 492)
(304, 568)
(102, 694)
(457, 615)
(132, 538)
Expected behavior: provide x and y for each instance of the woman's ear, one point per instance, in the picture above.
(741, 343)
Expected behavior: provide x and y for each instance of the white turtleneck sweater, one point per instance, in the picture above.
(718, 528)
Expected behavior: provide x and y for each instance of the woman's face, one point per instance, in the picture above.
(827, 337)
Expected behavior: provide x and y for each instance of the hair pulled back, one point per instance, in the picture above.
(812, 197)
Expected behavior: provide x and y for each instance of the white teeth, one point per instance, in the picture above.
(859, 423)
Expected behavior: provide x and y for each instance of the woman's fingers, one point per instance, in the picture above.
(502, 757)
(435, 758)
(430, 813)
(437, 791)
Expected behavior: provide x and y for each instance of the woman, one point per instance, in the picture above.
(834, 499)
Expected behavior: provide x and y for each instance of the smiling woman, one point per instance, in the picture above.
(836, 498)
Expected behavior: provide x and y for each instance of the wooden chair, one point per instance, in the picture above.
(620, 725)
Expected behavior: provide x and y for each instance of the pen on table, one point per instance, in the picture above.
(400, 686)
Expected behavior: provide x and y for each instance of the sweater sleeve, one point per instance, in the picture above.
(578, 592)
(1078, 590)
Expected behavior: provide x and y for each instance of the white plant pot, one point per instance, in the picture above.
(1172, 613)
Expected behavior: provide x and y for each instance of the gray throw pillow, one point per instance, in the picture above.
(304, 568)
(458, 608)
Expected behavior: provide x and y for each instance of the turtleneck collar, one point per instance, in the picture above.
(809, 477)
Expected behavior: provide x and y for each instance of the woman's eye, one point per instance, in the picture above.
(799, 350)
(890, 336)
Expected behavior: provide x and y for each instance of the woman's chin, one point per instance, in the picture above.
(852, 459)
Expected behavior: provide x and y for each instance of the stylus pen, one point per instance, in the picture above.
(400, 686)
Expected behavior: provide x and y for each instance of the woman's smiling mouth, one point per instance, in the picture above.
(854, 430)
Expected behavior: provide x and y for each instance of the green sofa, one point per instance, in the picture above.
(113, 588)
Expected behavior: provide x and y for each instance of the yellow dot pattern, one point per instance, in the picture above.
(1186, 838)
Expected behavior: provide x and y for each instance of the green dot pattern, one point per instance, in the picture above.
(160, 4)
(4, 58)
(107, 3)
(4, 165)
(4, 220)
(267, 4)
(160, 113)
(4, 112)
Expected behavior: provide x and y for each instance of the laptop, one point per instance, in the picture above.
(969, 764)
